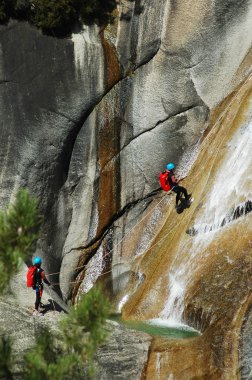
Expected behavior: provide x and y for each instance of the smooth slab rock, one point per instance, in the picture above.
(46, 91)
(18, 323)
(155, 115)
(89, 121)
(205, 280)
(124, 355)
(139, 31)
(245, 352)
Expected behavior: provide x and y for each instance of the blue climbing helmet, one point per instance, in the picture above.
(170, 166)
(37, 261)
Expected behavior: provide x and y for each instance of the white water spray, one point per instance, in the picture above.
(232, 187)
(93, 271)
(122, 302)
(233, 182)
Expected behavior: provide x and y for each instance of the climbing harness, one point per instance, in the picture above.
(163, 198)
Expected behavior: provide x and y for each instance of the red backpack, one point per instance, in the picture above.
(30, 276)
(164, 182)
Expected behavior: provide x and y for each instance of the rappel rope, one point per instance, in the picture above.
(109, 271)
(120, 241)
(163, 198)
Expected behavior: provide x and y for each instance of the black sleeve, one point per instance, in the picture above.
(47, 282)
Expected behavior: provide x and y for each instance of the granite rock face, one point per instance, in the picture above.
(198, 269)
(124, 355)
(45, 97)
(87, 124)
(155, 114)
(245, 357)
(72, 161)
(89, 121)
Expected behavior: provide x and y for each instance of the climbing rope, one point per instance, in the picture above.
(109, 271)
(120, 241)
(147, 250)
(163, 198)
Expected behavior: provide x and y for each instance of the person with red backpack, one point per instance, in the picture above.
(35, 278)
(168, 182)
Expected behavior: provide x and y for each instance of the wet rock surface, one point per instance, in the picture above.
(245, 353)
(124, 356)
(77, 112)
(89, 121)
(205, 279)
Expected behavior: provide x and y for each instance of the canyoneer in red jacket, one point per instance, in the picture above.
(168, 182)
(39, 278)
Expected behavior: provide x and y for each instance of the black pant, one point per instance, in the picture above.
(39, 292)
(180, 190)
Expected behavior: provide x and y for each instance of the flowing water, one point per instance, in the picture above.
(232, 186)
(229, 197)
(198, 268)
(158, 327)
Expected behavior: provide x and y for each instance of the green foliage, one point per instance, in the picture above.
(47, 360)
(65, 356)
(5, 358)
(23, 10)
(54, 16)
(88, 316)
(18, 232)
(41, 361)
(58, 17)
(20, 9)
(96, 11)
(6, 10)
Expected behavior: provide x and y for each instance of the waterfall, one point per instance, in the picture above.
(93, 271)
(233, 183)
(229, 195)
